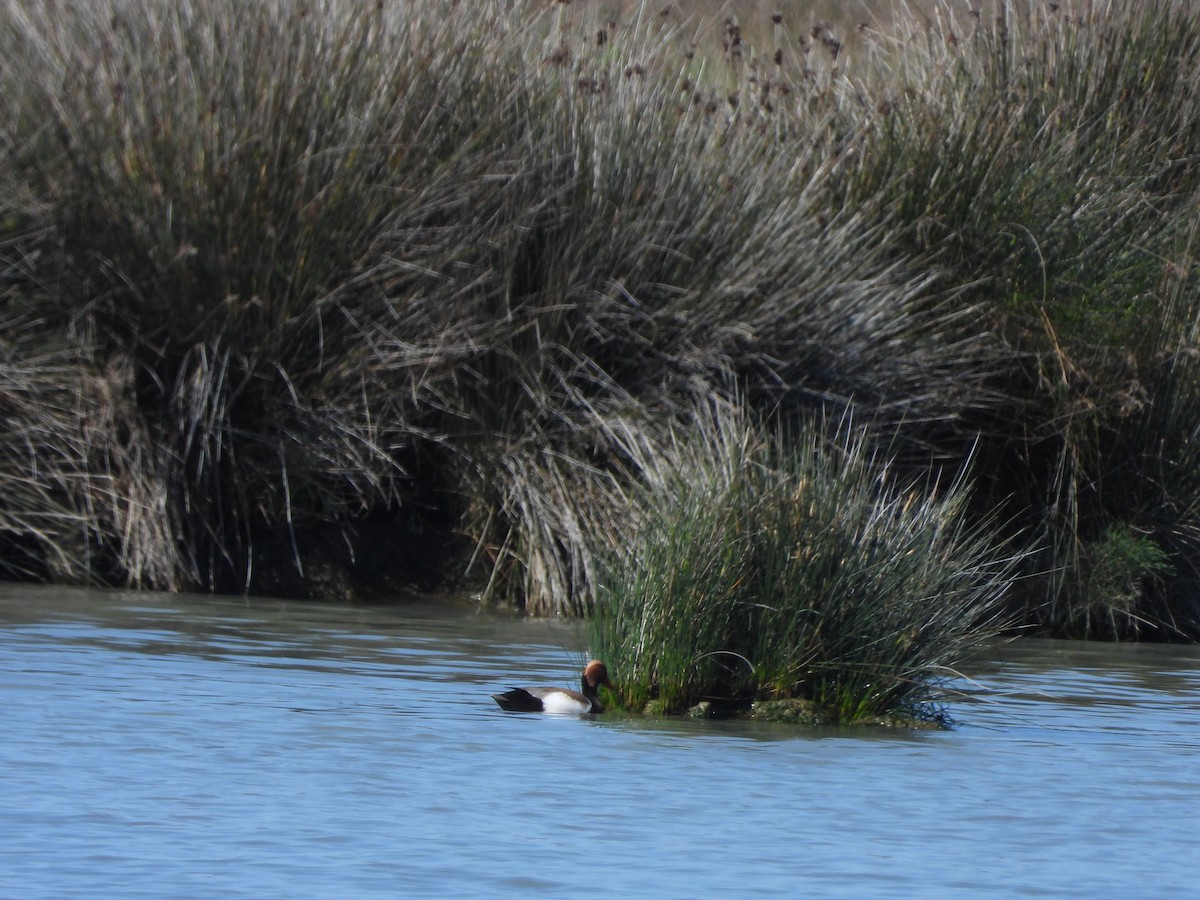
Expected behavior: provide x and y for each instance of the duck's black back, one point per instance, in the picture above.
(518, 700)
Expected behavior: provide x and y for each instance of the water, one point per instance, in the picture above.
(155, 745)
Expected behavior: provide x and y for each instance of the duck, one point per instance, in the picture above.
(585, 701)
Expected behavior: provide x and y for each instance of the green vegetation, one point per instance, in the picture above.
(1047, 162)
(316, 296)
(806, 568)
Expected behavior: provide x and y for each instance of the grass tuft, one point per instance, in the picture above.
(811, 569)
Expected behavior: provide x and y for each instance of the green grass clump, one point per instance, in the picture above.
(810, 570)
(1043, 158)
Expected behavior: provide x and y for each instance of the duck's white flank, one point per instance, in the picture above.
(563, 703)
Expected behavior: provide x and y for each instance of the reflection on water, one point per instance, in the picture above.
(173, 745)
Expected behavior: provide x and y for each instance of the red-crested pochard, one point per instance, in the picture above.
(559, 700)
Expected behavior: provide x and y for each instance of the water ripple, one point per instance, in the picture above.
(211, 746)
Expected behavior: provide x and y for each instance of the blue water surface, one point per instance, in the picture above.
(162, 746)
